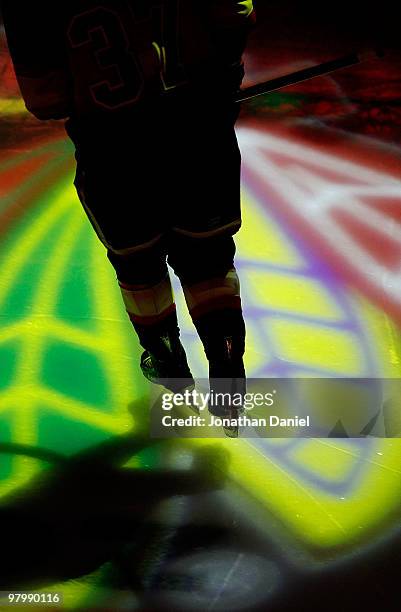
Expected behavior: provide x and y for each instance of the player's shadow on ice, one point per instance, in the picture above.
(84, 509)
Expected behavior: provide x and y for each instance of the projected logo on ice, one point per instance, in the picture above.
(69, 358)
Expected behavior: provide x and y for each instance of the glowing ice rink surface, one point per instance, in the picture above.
(319, 259)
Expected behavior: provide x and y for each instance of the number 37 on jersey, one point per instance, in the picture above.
(115, 45)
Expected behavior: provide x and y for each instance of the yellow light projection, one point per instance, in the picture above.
(74, 371)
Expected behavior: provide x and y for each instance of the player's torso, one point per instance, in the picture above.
(120, 52)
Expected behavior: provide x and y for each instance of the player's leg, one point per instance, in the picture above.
(212, 292)
(120, 196)
(148, 297)
(202, 249)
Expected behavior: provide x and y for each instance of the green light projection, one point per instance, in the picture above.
(69, 361)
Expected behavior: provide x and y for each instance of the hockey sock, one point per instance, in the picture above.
(215, 308)
(153, 314)
(223, 335)
(221, 330)
(217, 293)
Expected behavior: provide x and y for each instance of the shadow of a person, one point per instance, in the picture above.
(75, 515)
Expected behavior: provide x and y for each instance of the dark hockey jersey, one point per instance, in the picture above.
(87, 57)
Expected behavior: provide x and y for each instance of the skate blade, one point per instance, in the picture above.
(231, 432)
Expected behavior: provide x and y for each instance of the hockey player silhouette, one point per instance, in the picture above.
(158, 165)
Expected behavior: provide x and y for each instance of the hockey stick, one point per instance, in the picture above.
(304, 75)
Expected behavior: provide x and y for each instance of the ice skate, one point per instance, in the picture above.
(227, 378)
(169, 367)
